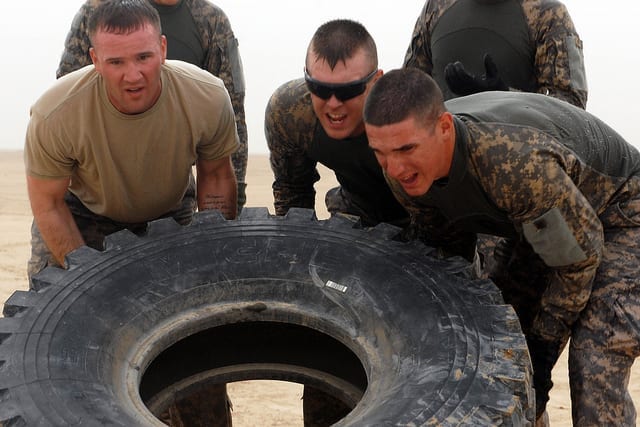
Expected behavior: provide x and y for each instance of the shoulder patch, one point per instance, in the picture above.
(551, 238)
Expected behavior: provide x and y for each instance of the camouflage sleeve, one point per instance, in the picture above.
(529, 179)
(77, 43)
(222, 59)
(289, 126)
(419, 52)
(559, 62)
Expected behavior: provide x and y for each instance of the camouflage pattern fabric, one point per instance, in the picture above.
(222, 59)
(297, 143)
(557, 47)
(518, 186)
(592, 180)
(289, 126)
(610, 326)
(605, 340)
(290, 129)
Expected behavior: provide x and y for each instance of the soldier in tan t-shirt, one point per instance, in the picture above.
(198, 32)
(111, 146)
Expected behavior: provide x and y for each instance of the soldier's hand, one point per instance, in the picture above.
(462, 83)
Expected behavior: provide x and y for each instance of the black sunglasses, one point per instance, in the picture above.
(342, 91)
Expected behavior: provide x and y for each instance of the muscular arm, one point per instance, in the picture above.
(222, 59)
(217, 187)
(52, 216)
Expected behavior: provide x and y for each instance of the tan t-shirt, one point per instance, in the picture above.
(130, 168)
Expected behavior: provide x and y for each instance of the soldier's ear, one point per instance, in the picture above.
(445, 122)
(163, 45)
(96, 61)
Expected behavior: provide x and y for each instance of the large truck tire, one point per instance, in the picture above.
(403, 338)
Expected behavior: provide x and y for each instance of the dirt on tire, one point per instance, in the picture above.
(400, 336)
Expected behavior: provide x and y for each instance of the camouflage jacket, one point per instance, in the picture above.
(551, 52)
(222, 57)
(297, 143)
(527, 166)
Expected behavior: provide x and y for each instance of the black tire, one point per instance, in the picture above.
(403, 337)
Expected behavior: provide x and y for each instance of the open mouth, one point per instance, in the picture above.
(409, 182)
(336, 118)
(134, 90)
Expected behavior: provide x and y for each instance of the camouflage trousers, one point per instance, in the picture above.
(605, 340)
(239, 159)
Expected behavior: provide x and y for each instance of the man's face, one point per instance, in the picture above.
(130, 66)
(341, 119)
(412, 154)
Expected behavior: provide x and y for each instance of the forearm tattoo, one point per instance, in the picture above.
(216, 201)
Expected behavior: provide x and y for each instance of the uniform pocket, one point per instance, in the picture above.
(625, 334)
(622, 215)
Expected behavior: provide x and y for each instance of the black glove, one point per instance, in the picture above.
(544, 354)
(462, 83)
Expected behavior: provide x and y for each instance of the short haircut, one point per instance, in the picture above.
(339, 40)
(403, 93)
(123, 17)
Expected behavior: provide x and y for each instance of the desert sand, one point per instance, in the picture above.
(264, 403)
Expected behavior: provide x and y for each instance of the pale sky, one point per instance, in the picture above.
(273, 36)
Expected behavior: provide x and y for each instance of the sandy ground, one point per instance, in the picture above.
(265, 403)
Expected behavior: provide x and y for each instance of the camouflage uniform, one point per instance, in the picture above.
(564, 189)
(538, 33)
(537, 49)
(297, 142)
(222, 59)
